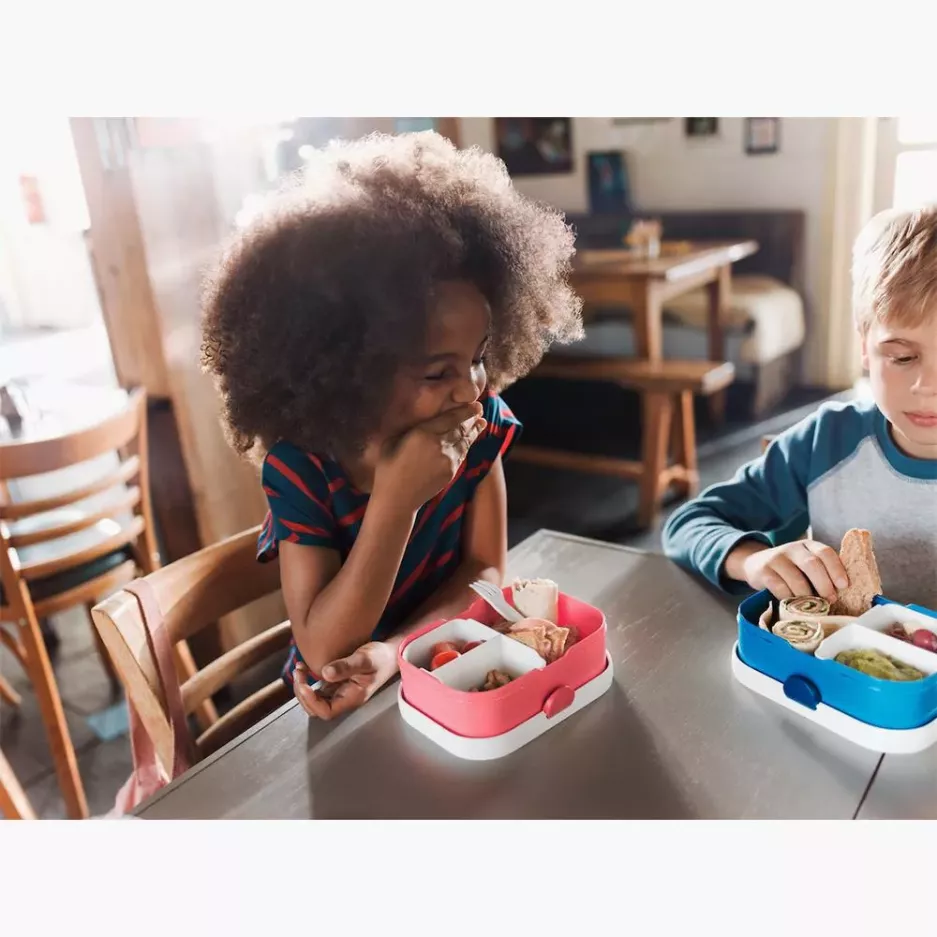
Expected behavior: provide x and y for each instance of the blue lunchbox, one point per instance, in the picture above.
(812, 682)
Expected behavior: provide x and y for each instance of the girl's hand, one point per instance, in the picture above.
(347, 683)
(805, 567)
(418, 465)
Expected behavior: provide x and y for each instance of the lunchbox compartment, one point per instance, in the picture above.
(859, 636)
(468, 672)
(810, 680)
(461, 630)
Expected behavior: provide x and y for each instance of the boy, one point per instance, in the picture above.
(868, 465)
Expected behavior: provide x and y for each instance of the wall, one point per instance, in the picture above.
(671, 171)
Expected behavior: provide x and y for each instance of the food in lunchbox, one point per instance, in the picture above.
(802, 607)
(803, 635)
(547, 639)
(443, 657)
(898, 630)
(494, 679)
(925, 639)
(876, 664)
(865, 583)
(536, 598)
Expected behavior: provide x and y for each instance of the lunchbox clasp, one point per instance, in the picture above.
(557, 701)
(801, 690)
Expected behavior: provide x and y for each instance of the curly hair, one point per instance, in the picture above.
(319, 301)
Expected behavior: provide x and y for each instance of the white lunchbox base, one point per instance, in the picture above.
(500, 745)
(889, 741)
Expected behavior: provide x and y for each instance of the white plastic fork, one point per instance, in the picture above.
(494, 597)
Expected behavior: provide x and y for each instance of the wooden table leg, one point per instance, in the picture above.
(657, 412)
(53, 716)
(685, 444)
(14, 804)
(719, 291)
(648, 325)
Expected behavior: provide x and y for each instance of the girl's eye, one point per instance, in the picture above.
(904, 360)
(441, 376)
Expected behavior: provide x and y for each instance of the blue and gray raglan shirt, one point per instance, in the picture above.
(837, 469)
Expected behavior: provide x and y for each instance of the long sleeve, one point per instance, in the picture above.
(766, 501)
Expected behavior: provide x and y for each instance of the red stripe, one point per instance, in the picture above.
(453, 517)
(512, 429)
(270, 492)
(478, 470)
(507, 411)
(353, 516)
(293, 538)
(337, 485)
(410, 580)
(289, 474)
(303, 528)
(444, 559)
(315, 461)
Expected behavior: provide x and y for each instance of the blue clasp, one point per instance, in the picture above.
(801, 690)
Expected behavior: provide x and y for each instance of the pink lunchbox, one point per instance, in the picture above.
(489, 724)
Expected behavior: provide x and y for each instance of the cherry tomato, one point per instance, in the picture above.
(925, 639)
(444, 646)
(470, 645)
(443, 657)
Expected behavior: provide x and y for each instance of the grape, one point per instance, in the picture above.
(925, 639)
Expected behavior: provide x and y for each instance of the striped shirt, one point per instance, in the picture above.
(313, 502)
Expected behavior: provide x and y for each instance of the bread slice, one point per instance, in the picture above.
(865, 583)
(536, 598)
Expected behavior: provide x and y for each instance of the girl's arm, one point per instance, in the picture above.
(335, 607)
(484, 554)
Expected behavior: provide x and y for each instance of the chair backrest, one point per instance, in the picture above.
(192, 593)
(123, 433)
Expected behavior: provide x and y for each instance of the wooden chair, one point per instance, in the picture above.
(668, 447)
(45, 568)
(14, 804)
(192, 593)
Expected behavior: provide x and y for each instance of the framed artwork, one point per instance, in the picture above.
(609, 185)
(762, 135)
(533, 146)
(701, 126)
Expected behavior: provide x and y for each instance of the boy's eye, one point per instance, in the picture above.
(904, 360)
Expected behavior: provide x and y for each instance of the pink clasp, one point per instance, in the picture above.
(557, 701)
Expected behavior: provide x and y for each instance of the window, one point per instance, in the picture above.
(915, 162)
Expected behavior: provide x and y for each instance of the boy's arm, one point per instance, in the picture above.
(765, 504)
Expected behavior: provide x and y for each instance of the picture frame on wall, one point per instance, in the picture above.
(535, 146)
(701, 126)
(762, 135)
(609, 183)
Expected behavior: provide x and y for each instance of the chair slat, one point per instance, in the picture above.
(128, 469)
(127, 503)
(224, 669)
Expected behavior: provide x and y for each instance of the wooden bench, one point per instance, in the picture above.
(668, 446)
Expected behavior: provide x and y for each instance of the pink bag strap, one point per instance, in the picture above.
(155, 626)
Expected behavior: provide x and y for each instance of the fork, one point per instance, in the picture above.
(495, 598)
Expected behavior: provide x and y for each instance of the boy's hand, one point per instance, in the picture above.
(419, 464)
(804, 567)
(347, 683)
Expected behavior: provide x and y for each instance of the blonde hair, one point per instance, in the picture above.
(894, 268)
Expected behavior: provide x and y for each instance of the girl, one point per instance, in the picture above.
(359, 331)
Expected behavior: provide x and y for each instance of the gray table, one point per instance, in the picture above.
(675, 736)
